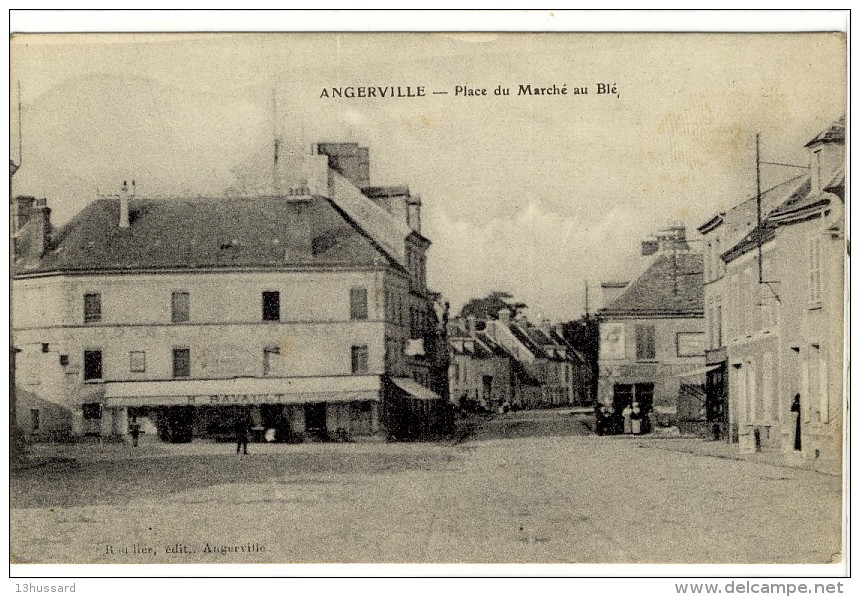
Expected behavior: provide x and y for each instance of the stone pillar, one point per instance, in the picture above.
(77, 421)
(296, 415)
(120, 420)
(106, 422)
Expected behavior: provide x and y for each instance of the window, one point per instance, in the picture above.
(64, 360)
(271, 306)
(181, 362)
(270, 358)
(690, 344)
(91, 410)
(34, 419)
(358, 303)
(92, 307)
(645, 342)
(137, 361)
(359, 360)
(180, 307)
(814, 270)
(92, 364)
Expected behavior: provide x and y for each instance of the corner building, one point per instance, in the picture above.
(303, 305)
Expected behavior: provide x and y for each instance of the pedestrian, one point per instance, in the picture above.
(134, 428)
(628, 423)
(795, 408)
(635, 419)
(242, 429)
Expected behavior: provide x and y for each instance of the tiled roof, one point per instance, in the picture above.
(671, 286)
(836, 133)
(521, 335)
(497, 349)
(209, 233)
(758, 235)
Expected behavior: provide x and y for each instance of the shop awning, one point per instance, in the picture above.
(701, 371)
(243, 390)
(415, 389)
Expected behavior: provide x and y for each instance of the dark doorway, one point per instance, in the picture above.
(622, 396)
(315, 417)
(487, 381)
(180, 420)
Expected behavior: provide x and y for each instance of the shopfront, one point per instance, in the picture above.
(284, 409)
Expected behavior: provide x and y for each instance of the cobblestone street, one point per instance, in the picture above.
(561, 496)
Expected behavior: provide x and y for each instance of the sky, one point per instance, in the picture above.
(533, 195)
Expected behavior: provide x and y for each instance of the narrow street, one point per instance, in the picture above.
(532, 487)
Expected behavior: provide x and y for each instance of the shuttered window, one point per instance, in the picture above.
(645, 342)
(92, 307)
(271, 306)
(358, 303)
(181, 362)
(92, 364)
(359, 360)
(180, 307)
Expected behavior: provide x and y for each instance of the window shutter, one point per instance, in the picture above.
(358, 303)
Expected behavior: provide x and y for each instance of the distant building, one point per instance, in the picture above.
(652, 341)
(562, 374)
(784, 339)
(481, 371)
(303, 304)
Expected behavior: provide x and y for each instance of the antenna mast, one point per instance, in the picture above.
(586, 299)
(758, 205)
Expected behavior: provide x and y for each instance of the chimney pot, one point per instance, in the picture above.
(123, 206)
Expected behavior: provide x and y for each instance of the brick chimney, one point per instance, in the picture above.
(123, 205)
(41, 217)
(504, 316)
(413, 213)
(470, 325)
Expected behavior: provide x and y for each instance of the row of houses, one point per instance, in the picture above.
(302, 305)
(743, 337)
(503, 362)
(774, 298)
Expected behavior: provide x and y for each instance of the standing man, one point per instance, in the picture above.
(242, 428)
(795, 408)
(135, 431)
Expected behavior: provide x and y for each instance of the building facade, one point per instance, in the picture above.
(305, 309)
(652, 342)
(785, 340)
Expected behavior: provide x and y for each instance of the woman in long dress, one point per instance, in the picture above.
(628, 423)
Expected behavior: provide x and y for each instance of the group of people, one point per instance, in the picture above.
(632, 420)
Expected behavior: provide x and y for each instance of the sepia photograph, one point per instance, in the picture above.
(565, 298)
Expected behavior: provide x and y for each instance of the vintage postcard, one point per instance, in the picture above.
(446, 298)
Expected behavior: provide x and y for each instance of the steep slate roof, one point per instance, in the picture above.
(209, 233)
(653, 293)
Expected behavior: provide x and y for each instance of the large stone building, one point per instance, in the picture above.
(303, 304)
(783, 297)
(651, 340)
